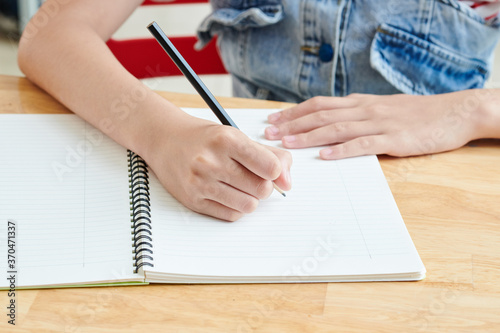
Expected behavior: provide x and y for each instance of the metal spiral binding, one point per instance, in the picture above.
(140, 212)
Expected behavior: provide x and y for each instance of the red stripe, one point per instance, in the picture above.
(491, 16)
(172, 2)
(145, 58)
(479, 4)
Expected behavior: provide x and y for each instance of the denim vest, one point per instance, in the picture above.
(292, 50)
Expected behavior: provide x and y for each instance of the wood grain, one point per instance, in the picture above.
(450, 204)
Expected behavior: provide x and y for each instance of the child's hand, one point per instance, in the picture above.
(217, 170)
(398, 125)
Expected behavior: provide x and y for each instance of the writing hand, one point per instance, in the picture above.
(217, 170)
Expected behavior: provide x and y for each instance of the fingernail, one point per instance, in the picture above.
(290, 138)
(326, 153)
(274, 117)
(273, 130)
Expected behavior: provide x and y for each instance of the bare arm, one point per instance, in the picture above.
(63, 51)
(67, 57)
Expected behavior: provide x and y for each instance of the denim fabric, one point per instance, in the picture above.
(292, 50)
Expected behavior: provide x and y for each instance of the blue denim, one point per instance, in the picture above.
(292, 50)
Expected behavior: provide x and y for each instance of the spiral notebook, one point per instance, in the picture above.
(88, 212)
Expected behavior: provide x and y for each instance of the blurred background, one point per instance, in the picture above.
(14, 14)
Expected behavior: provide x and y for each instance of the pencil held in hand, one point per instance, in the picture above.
(194, 79)
(279, 190)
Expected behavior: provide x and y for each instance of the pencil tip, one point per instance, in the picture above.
(280, 191)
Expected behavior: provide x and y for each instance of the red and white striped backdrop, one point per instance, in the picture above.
(488, 9)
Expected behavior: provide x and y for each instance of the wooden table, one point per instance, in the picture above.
(450, 203)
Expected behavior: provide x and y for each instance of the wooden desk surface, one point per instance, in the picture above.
(450, 203)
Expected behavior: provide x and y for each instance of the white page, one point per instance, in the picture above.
(66, 186)
(339, 219)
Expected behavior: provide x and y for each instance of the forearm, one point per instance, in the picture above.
(487, 118)
(69, 59)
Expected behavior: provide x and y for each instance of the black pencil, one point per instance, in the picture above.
(188, 72)
(194, 79)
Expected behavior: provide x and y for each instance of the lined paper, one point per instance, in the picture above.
(339, 219)
(66, 186)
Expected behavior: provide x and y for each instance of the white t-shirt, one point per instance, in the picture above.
(488, 9)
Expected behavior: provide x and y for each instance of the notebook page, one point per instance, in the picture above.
(339, 219)
(65, 184)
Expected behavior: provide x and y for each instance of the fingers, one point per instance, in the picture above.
(310, 106)
(240, 178)
(219, 211)
(304, 124)
(367, 145)
(284, 181)
(234, 193)
(247, 181)
(231, 178)
(313, 121)
(225, 193)
(224, 173)
(333, 133)
(256, 158)
(232, 198)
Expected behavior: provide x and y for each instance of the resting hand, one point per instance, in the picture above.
(217, 170)
(398, 125)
